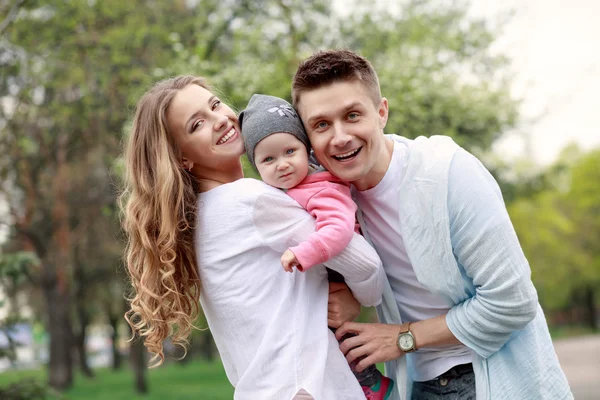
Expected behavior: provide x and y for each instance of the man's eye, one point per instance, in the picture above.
(289, 151)
(353, 115)
(322, 125)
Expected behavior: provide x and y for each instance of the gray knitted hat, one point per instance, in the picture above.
(266, 115)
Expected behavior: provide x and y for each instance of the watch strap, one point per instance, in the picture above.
(404, 329)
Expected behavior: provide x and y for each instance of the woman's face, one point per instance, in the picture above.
(206, 130)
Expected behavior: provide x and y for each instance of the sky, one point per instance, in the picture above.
(554, 46)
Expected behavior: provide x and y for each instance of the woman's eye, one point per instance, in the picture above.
(289, 151)
(216, 104)
(197, 125)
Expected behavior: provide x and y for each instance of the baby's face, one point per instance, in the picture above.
(281, 160)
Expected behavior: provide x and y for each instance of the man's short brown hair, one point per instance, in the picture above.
(329, 66)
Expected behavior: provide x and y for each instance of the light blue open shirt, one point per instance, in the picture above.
(462, 246)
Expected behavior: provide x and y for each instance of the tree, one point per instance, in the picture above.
(67, 78)
(583, 199)
(437, 71)
(434, 63)
(559, 229)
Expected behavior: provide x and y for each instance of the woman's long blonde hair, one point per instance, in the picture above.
(158, 206)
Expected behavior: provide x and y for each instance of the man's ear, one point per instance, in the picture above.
(383, 112)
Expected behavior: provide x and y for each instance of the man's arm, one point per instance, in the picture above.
(486, 245)
(283, 224)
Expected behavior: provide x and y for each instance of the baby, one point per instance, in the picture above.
(278, 147)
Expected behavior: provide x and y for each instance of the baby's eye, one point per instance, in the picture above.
(289, 151)
(268, 159)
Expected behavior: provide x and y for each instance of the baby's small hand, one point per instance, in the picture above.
(289, 261)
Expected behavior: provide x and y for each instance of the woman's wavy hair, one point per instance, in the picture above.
(158, 212)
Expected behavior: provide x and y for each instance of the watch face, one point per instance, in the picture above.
(406, 342)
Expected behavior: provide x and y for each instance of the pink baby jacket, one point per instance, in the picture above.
(328, 200)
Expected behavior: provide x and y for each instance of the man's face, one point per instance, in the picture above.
(345, 128)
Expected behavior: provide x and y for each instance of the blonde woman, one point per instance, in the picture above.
(199, 232)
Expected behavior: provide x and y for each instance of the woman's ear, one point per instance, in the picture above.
(187, 164)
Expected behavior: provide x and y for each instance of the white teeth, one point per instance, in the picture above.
(228, 136)
(346, 155)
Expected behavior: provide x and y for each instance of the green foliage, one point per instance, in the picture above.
(559, 229)
(14, 266)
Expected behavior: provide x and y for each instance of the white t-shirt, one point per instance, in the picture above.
(270, 326)
(380, 208)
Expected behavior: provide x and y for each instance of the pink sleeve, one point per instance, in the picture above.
(334, 212)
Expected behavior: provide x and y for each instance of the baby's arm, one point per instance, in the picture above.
(283, 224)
(334, 212)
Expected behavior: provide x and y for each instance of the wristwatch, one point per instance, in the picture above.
(406, 340)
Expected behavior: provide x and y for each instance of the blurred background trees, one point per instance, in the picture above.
(559, 229)
(71, 72)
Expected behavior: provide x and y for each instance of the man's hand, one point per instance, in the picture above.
(289, 261)
(376, 342)
(342, 306)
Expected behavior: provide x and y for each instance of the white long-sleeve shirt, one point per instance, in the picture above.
(270, 326)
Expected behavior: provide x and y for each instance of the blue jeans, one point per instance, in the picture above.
(448, 386)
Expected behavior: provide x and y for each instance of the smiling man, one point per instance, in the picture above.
(460, 308)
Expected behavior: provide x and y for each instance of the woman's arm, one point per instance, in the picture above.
(342, 306)
(283, 224)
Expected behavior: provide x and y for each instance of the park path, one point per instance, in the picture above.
(580, 359)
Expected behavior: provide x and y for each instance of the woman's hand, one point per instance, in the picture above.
(375, 342)
(342, 306)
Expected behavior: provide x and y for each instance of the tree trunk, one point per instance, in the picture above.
(56, 277)
(81, 284)
(208, 350)
(137, 358)
(60, 365)
(81, 351)
(116, 355)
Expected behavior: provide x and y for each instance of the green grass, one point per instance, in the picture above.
(196, 380)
